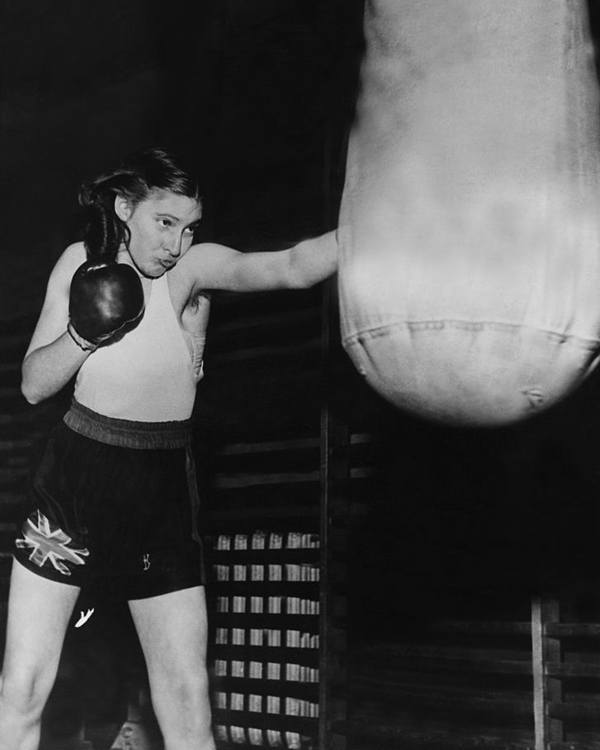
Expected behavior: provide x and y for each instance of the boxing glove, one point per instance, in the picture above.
(106, 301)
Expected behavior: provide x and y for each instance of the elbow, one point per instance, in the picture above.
(30, 394)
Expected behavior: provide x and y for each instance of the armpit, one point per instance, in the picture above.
(199, 300)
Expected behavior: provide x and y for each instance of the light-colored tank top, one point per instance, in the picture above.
(150, 375)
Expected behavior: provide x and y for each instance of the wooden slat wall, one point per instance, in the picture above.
(569, 652)
(522, 673)
(262, 394)
(440, 684)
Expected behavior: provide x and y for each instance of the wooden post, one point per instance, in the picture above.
(335, 470)
(545, 689)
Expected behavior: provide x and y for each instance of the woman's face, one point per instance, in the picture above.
(162, 229)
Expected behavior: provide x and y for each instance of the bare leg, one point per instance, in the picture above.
(38, 615)
(172, 631)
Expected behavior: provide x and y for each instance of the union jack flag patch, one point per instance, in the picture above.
(49, 545)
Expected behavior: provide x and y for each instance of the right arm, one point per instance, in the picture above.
(52, 357)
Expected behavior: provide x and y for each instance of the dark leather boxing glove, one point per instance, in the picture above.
(105, 302)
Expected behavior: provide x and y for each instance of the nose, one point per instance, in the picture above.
(174, 245)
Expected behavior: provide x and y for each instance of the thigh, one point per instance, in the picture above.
(172, 629)
(39, 611)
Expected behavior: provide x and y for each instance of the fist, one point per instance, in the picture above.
(105, 302)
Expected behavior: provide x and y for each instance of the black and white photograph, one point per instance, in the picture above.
(300, 335)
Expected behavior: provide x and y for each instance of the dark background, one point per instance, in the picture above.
(260, 95)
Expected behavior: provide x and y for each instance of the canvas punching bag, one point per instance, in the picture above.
(470, 222)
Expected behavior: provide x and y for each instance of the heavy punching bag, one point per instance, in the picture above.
(470, 221)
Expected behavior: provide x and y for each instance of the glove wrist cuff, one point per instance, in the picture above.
(83, 344)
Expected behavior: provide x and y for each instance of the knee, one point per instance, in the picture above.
(191, 694)
(24, 695)
(184, 700)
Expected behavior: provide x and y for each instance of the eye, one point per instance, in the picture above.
(190, 230)
(165, 223)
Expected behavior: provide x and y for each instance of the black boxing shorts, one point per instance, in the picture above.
(113, 508)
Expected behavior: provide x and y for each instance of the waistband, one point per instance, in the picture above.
(126, 433)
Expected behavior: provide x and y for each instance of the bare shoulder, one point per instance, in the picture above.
(69, 261)
(64, 268)
(74, 254)
(206, 253)
(206, 263)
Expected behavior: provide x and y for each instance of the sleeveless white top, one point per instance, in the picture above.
(150, 375)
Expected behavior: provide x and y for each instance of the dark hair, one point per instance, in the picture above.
(135, 179)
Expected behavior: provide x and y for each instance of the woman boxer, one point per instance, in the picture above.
(113, 500)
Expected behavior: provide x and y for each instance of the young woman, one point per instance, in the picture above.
(114, 498)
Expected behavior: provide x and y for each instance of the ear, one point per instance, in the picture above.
(123, 207)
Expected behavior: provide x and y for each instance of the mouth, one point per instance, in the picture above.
(166, 264)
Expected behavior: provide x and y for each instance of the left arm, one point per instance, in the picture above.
(301, 266)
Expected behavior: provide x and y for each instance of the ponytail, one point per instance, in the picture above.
(104, 231)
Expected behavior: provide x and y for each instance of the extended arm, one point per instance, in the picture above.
(53, 357)
(298, 267)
